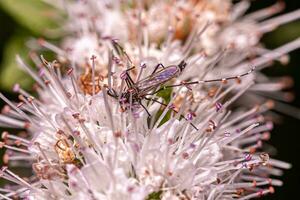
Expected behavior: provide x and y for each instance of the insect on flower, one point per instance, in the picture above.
(152, 84)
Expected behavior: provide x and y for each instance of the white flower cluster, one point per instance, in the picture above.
(148, 100)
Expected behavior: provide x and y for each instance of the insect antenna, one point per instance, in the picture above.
(165, 105)
(109, 68)
(120, 51)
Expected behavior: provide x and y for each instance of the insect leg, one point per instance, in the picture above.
(224, 80)
(111, 92)
(126, 76)
(237, 77)
(130, 80)
(156, 67)
(149, 115)
(131, 68)
(162, 88)
(165, 105)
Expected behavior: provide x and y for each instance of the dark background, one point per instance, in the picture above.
(285, 136)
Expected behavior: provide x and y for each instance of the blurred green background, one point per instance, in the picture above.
(21, 20)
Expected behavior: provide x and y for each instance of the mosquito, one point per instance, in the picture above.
(143, 89)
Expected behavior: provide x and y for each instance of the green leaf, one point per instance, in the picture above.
(34, 15)
(154, 196)
(10, 73)
(165, 94)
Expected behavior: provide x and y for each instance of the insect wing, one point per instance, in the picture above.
(158, 78)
